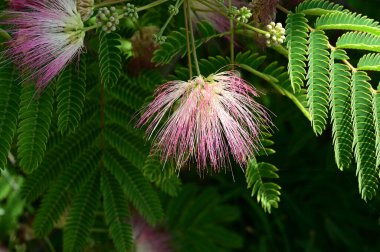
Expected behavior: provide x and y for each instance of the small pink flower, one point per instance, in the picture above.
(149, 239)
(205, 120)
(47, 35)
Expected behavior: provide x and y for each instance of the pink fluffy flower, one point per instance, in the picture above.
(149, 239)
(20, 4)
(47, 35)
(17, 4)
(206, 120)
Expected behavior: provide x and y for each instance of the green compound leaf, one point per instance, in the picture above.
(71, 89)
(318, 7)
(162, 175)
(297, 36)
(359, 41)
(33, 132)
(175, 43)
(59, 157)
(318, 80)
(340, 105)
(364, 135)
(127, 143)
(267, 193)
(135, 186)
(109, 58)
(129, 93)
(376, 111)
(369, 62)
(82, 215)
(69, 182)
(347, 21)
(116, 212)
(9, 109)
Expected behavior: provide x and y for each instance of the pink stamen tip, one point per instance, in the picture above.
(205, 120)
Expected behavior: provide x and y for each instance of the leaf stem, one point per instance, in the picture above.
(274, 83)
(49, 244)
(107, 3)
(232, 36)
(163, 28)
(331, 47)
(255, 29)
(194, 50)
(151, 5)
(188, 43)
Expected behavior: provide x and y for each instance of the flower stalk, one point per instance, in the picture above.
(194, 49)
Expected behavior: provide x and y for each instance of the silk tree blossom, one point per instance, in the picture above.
(205, 120)
(47, 35)
(17, 4)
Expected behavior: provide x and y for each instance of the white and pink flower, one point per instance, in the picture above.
(47, 35)
(205, 120)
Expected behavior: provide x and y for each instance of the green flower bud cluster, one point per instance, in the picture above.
(173, 10)
(159, 39)
(243, 14)
(232, 12)
(275, 34)
(130, 10)
(107, 19)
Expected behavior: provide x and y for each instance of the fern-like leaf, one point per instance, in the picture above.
(318, 80)
(9, 108)
(340, 105)
(129, 93)
(369, 62)
(296, 36)
(109, 58)
(347, 21)
(359, 41)
(82, 215)
(128, 145)
(376, 110)
(116, 212)
(268, 193)
(364, 135)
(119, 113)
(199, 218)
(175, 43)
(318, 7)
(282, 77)
(59, 157)
(35, 118)
(57, 199)
(135, 186)
(71, 88)
(164, 177)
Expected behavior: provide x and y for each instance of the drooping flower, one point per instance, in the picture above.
(47, 35)
(149, 239)
(205, 120)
